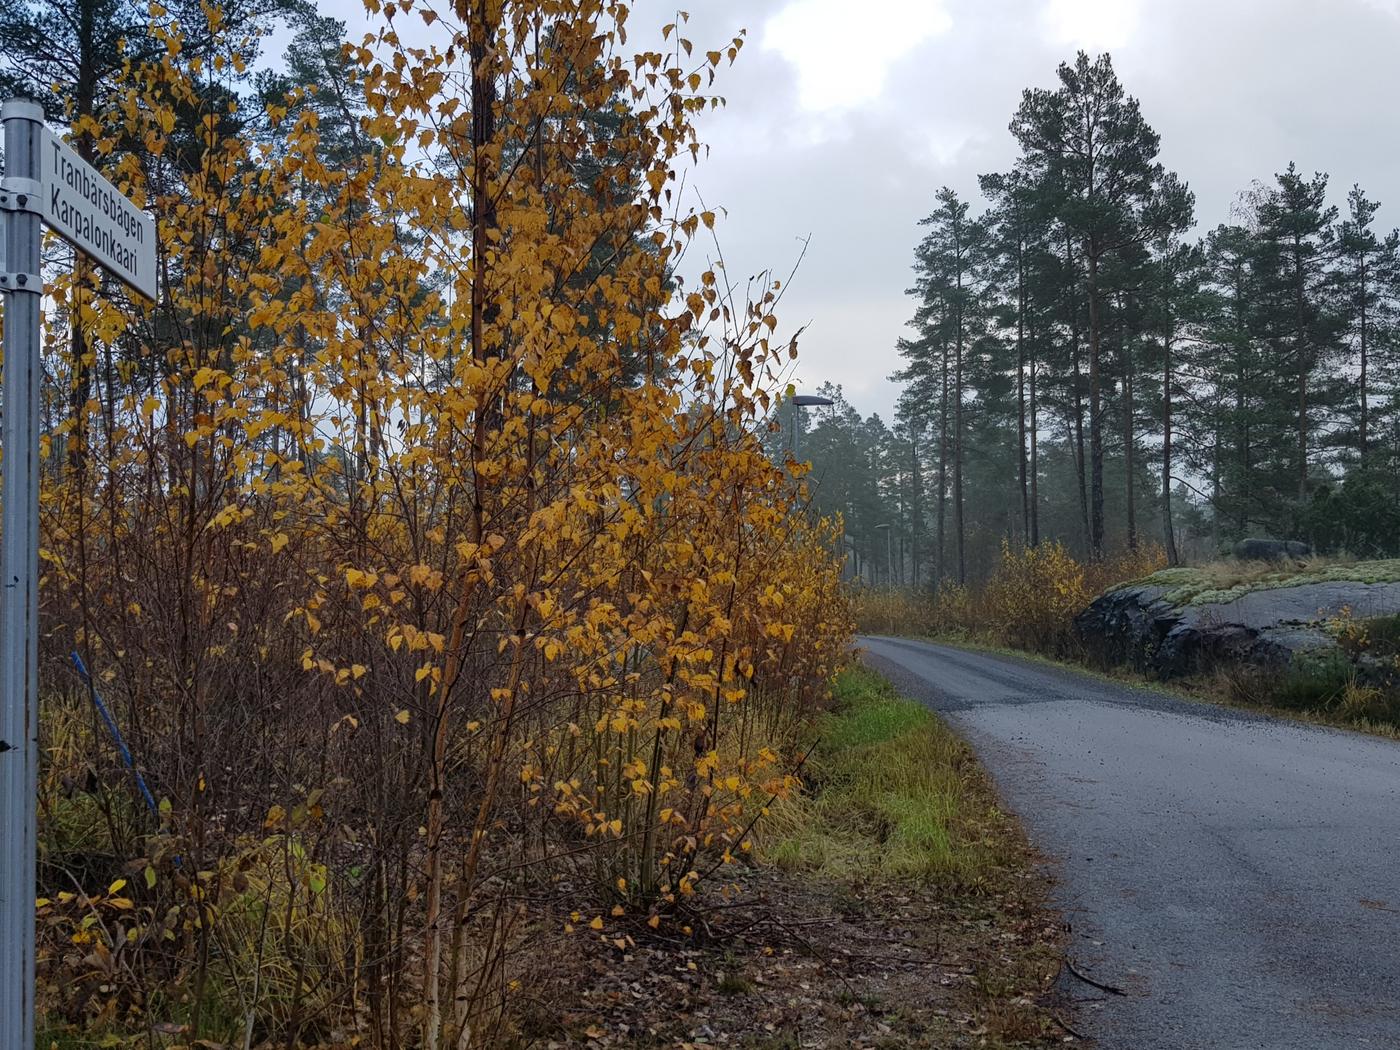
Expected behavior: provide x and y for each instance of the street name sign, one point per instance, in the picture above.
(46, 183)
(92, 215)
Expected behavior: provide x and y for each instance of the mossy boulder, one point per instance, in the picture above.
(1188, 621)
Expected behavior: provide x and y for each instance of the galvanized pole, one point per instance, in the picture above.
(19, 570)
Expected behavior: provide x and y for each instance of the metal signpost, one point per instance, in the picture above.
(44, 182)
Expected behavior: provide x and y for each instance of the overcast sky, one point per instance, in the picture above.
(844, 118)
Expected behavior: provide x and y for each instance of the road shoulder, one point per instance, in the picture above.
(897, 904)
(1199, 695)
(1199, 849)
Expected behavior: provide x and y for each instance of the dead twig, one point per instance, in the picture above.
(1065, 1025)
(1110, 989)
(814, 954)
(907, 959)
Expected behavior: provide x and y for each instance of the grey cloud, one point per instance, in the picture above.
(1237, 88)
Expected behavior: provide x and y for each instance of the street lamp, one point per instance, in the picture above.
(889, 551)
(805, 401)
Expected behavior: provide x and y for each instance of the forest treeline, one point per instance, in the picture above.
(1084, 366)
(419, 537)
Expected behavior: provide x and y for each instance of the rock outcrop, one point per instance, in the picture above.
(1140, 624)
(1271, 550)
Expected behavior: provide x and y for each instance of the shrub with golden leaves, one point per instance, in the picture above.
(894, 610)
(1353, 635)
(1029, 602)
(422, 540)
(1035, 593)
(1123, 566)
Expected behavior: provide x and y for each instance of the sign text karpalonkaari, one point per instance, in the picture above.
(116, 240)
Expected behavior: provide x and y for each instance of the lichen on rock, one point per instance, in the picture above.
(1175, 623)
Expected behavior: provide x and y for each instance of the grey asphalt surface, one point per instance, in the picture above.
(1237, 876)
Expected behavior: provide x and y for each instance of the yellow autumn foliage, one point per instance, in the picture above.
(421, 537)
(1029, 601)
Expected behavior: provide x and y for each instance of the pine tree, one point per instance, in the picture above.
(1094, 156)
(913, 414)
(1368, 268)
(1173, 306)
(1295, 244)
(66, 55)
(950, 267)
(1018, 232)
(1234, 372)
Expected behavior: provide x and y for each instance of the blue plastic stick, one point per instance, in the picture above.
(116, 735)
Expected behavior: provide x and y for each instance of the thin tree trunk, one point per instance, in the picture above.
(1215, 487)
(916, 507)
(1241, 402)
(900, 487)
(1077, 385)
(84, 108)
(1168, 532)
(483, 91)
(1092, 250)
(958, 524)
(1129, 436)
(1080, 457)
(1304, 368)
(1361, 381)
(942, 566)
(1021, 387)
(1096, 523)
(1035, 451)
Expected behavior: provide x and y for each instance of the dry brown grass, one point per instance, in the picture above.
(1029, 602)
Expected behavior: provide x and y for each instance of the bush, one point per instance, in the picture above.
(1312, 683)
(893, 610)
(437, 577)
(1326, 685)
(1124, 567)
(1032, 599)
(1029, 602)
(1368, 703)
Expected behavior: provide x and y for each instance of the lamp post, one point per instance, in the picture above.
(889, 551)
(804, 401)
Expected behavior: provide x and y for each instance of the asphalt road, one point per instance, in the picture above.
(1237, 876)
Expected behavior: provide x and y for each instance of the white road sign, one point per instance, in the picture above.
(91, 214)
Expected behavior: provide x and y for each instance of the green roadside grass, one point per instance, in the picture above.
(891, 792)
(900, 828)
(889, 904)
